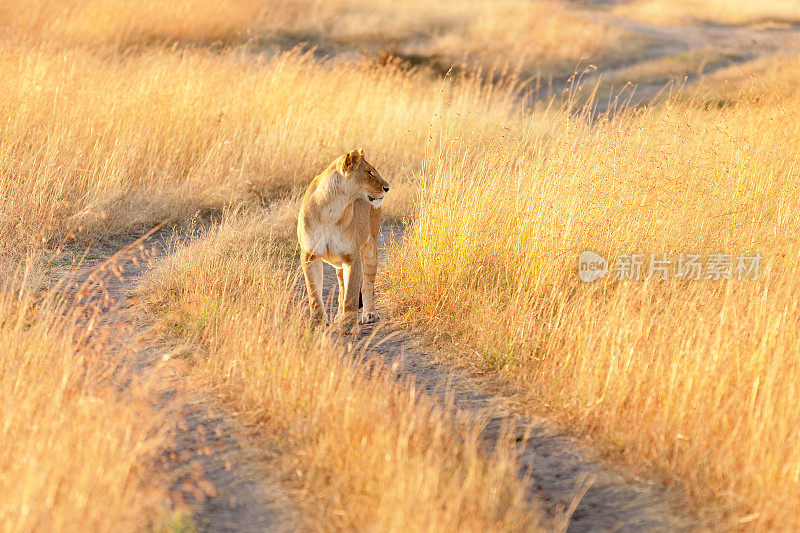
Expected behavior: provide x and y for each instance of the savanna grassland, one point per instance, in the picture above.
(118, 116)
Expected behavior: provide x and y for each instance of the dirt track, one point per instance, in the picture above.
(735, 45)
(220, 480)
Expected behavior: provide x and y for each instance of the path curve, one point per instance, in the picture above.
(738, 43)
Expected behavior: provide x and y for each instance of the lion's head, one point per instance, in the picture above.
(362, 178)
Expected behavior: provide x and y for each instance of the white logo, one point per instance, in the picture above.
(591, 266)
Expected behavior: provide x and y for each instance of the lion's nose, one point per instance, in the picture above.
(386, 189)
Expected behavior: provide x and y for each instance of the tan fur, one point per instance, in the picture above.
(339, 221)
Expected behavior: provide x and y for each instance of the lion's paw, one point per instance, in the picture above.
(370, 317)
(319, 319)
(346, 324)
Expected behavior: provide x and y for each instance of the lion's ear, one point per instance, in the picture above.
(350, 160)
(361, 152)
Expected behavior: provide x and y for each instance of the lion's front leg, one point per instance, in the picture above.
(352, 282)
(340, 310)
(369, 264)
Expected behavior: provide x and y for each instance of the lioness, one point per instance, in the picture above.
(339, 221)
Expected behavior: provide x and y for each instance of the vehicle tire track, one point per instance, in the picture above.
(216, 477)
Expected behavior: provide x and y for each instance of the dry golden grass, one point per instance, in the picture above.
(694, 378)
(75, 449)
(97, 144)
(363, 451)
(138, 22)
(716, 11)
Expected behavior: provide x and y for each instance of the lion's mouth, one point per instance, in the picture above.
(375, 202)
